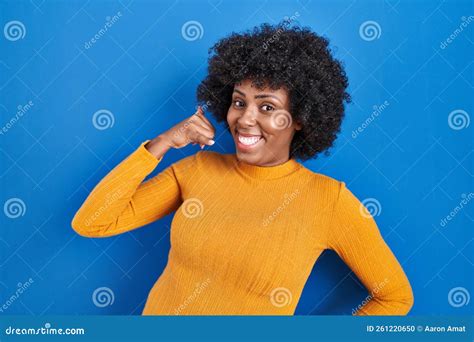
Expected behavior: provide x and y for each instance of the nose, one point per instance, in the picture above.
(248, 117)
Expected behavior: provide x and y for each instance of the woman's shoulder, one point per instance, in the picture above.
(215, 161)
(204, 161)
(321, 177)
(322, 181)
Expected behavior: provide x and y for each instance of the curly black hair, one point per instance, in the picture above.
(276, 56)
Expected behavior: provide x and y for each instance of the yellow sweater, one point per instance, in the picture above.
(244, 238)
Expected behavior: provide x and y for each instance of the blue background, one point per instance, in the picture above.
(145, 73)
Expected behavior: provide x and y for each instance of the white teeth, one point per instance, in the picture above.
(249, 140)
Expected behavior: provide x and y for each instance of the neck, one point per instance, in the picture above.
(273, 162)
(278, 169)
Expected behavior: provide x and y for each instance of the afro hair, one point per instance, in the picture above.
(276, 56)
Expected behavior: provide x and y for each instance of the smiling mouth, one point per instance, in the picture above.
(247, 142)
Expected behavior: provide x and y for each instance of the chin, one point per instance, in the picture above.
(248, 158)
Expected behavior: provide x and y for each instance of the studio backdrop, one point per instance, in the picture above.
(83, 84)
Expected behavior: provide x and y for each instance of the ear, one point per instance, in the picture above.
(298, 126)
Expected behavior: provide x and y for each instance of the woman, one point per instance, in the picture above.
(249, 226)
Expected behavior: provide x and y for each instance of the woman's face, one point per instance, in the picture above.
(261, 124)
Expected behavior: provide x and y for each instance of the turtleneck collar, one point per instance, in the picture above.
(267, 172)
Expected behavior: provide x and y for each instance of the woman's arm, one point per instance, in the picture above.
(121, 202)
(355, 237)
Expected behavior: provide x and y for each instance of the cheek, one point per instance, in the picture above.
(268, 126)
(275, 135)
(231, 117)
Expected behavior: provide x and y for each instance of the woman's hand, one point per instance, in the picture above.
(195, 130)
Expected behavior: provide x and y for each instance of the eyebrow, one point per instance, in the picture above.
(260, 96)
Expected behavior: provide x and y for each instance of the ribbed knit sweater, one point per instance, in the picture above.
(244, 238)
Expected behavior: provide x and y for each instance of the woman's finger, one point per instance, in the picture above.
(201, 139)
(202, 131)
(200, 113)
(201, 120)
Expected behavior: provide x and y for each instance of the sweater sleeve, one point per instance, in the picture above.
(355, 237)
(121, 201)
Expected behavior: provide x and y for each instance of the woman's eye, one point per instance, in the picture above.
(238, 103)
(267, 108)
